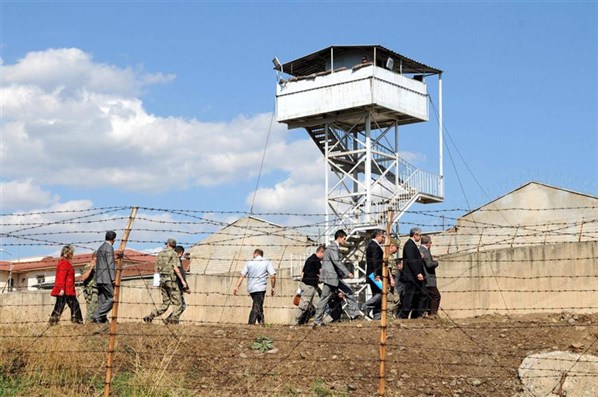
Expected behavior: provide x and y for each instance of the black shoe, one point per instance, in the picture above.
(148, 319)
(170, 321)
(357, 317)
(99, 320)
(76, 321)
(53, 320)
(317, 325)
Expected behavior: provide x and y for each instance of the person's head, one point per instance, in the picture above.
(171, 242)
(415, 233)
(110, 236)
(67, 252)
(378, 235)
(426, 240)
(340, 237)
(180, 250)
(364, 59)
(320, 251)
(394, 245)
(258, 252)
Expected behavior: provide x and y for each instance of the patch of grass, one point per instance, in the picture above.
(10, 387)
(319, 389)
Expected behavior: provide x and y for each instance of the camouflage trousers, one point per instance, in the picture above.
(91, 299)
(171, 295)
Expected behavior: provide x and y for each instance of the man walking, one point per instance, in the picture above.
(309, 285)
(104, 278)
(332, 272)
(167, 264)
(430, 265)
(413, 277)
(90, 291)
(180, 251)
(257, 271)
(374, 256)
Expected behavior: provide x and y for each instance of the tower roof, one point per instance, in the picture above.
(316, 62)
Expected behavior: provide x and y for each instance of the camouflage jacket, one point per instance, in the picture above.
(90, 282)
(166, 262)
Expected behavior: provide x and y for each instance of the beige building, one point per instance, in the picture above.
(227, 250)
(534, 249)
(533, 214)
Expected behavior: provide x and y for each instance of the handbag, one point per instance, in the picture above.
(297, 297)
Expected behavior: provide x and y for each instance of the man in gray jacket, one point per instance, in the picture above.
(333, 270)
(104, 277)
(430, 265)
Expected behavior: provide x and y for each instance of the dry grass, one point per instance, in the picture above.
(69, 360)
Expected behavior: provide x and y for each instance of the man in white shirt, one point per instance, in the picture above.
(257, 271)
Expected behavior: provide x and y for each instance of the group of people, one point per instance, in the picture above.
(412, 279)
(98, 278)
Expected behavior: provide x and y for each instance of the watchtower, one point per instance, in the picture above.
(352, 100)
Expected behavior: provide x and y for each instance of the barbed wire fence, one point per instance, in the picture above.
(546, 266)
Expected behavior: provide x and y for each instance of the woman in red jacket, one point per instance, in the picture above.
(64, 288)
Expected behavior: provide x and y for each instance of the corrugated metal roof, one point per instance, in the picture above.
(316, 62)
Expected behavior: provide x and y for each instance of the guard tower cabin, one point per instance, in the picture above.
(352, 100)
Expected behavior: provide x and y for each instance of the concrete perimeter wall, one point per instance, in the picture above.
(547, 278)
(528, 279)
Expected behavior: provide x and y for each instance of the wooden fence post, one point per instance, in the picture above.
(384, 315)
(119, 265)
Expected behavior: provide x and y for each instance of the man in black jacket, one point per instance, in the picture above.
(310, 276)
(430, 265)
(413, 277)
(374, 256)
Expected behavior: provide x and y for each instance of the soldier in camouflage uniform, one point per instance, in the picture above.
(90, 291)
(167, 265)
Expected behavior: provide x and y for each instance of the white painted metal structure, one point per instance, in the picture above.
(352, 100)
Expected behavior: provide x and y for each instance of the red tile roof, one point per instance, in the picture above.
(135, 264)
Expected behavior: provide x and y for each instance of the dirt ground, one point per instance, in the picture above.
(473, 357)
(440, 357)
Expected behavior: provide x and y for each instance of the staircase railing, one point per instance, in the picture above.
(421, 181)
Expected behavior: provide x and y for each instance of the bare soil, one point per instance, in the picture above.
(440, 357)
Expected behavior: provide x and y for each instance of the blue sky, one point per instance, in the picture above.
(168, 105)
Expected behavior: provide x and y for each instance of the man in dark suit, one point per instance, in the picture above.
(333, 270)
(104, 277)
(430, 265)
(374, 256)
(413, 277)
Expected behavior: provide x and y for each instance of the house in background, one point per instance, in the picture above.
(38, 273)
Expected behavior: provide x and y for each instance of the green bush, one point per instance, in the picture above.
(263, 344)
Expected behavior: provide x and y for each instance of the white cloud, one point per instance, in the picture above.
(24, 195)
(69, 120)
(71, 69)
(63, 128)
